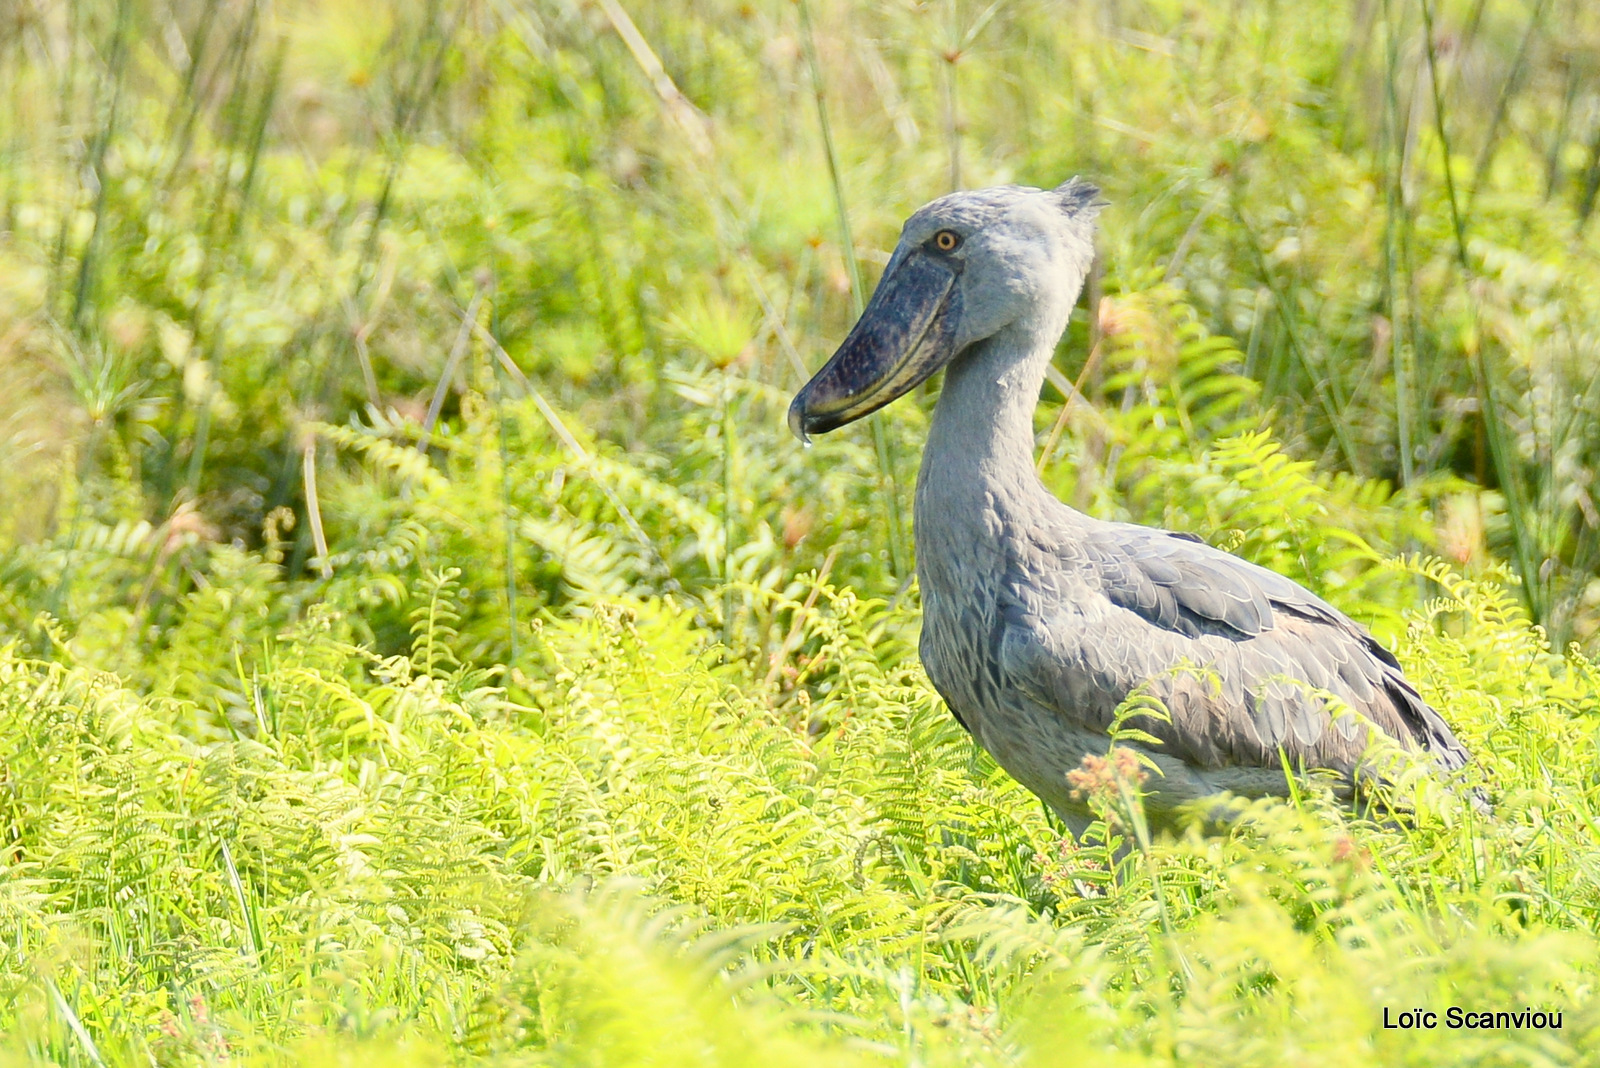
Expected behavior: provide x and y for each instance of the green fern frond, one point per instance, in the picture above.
(405, 462)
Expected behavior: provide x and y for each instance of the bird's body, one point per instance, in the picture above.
(1040, 621)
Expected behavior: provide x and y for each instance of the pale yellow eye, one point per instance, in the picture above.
(946, 240)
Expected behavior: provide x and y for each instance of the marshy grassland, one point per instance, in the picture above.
(422, 642)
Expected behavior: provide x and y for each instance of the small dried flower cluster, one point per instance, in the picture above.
(1106, 783)
(1059, 868)
(1099, 778)
(1111, 319)
(1348, 851)
(203, 1038)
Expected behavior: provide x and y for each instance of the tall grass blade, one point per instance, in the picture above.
(883, 446)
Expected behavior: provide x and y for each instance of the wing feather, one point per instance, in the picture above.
(1242, 656)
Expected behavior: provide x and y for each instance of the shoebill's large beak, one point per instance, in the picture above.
(906, 334)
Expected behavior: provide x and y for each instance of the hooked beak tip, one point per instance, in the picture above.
(797, 419)
(905, 334)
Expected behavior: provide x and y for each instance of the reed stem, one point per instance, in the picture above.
(884, 447)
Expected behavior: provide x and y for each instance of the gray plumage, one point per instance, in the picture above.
(1039, 620)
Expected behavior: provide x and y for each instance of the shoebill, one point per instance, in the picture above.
(1038, 621)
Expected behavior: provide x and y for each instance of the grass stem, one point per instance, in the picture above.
(882, 445)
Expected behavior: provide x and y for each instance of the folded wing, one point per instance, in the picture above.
(1242, 657)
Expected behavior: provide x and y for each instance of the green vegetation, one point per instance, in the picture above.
(421, 641)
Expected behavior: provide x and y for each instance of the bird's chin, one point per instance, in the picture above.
(906, 334)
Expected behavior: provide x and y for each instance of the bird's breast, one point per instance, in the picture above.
(972, 590)
(956, 646)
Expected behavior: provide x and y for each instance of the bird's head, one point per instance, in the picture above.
(967, 266)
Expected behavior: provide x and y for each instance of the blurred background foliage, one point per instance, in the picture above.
(399, 533)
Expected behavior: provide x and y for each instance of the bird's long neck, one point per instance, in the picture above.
(978, 467)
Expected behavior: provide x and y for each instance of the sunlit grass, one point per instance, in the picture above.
(420, 639)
